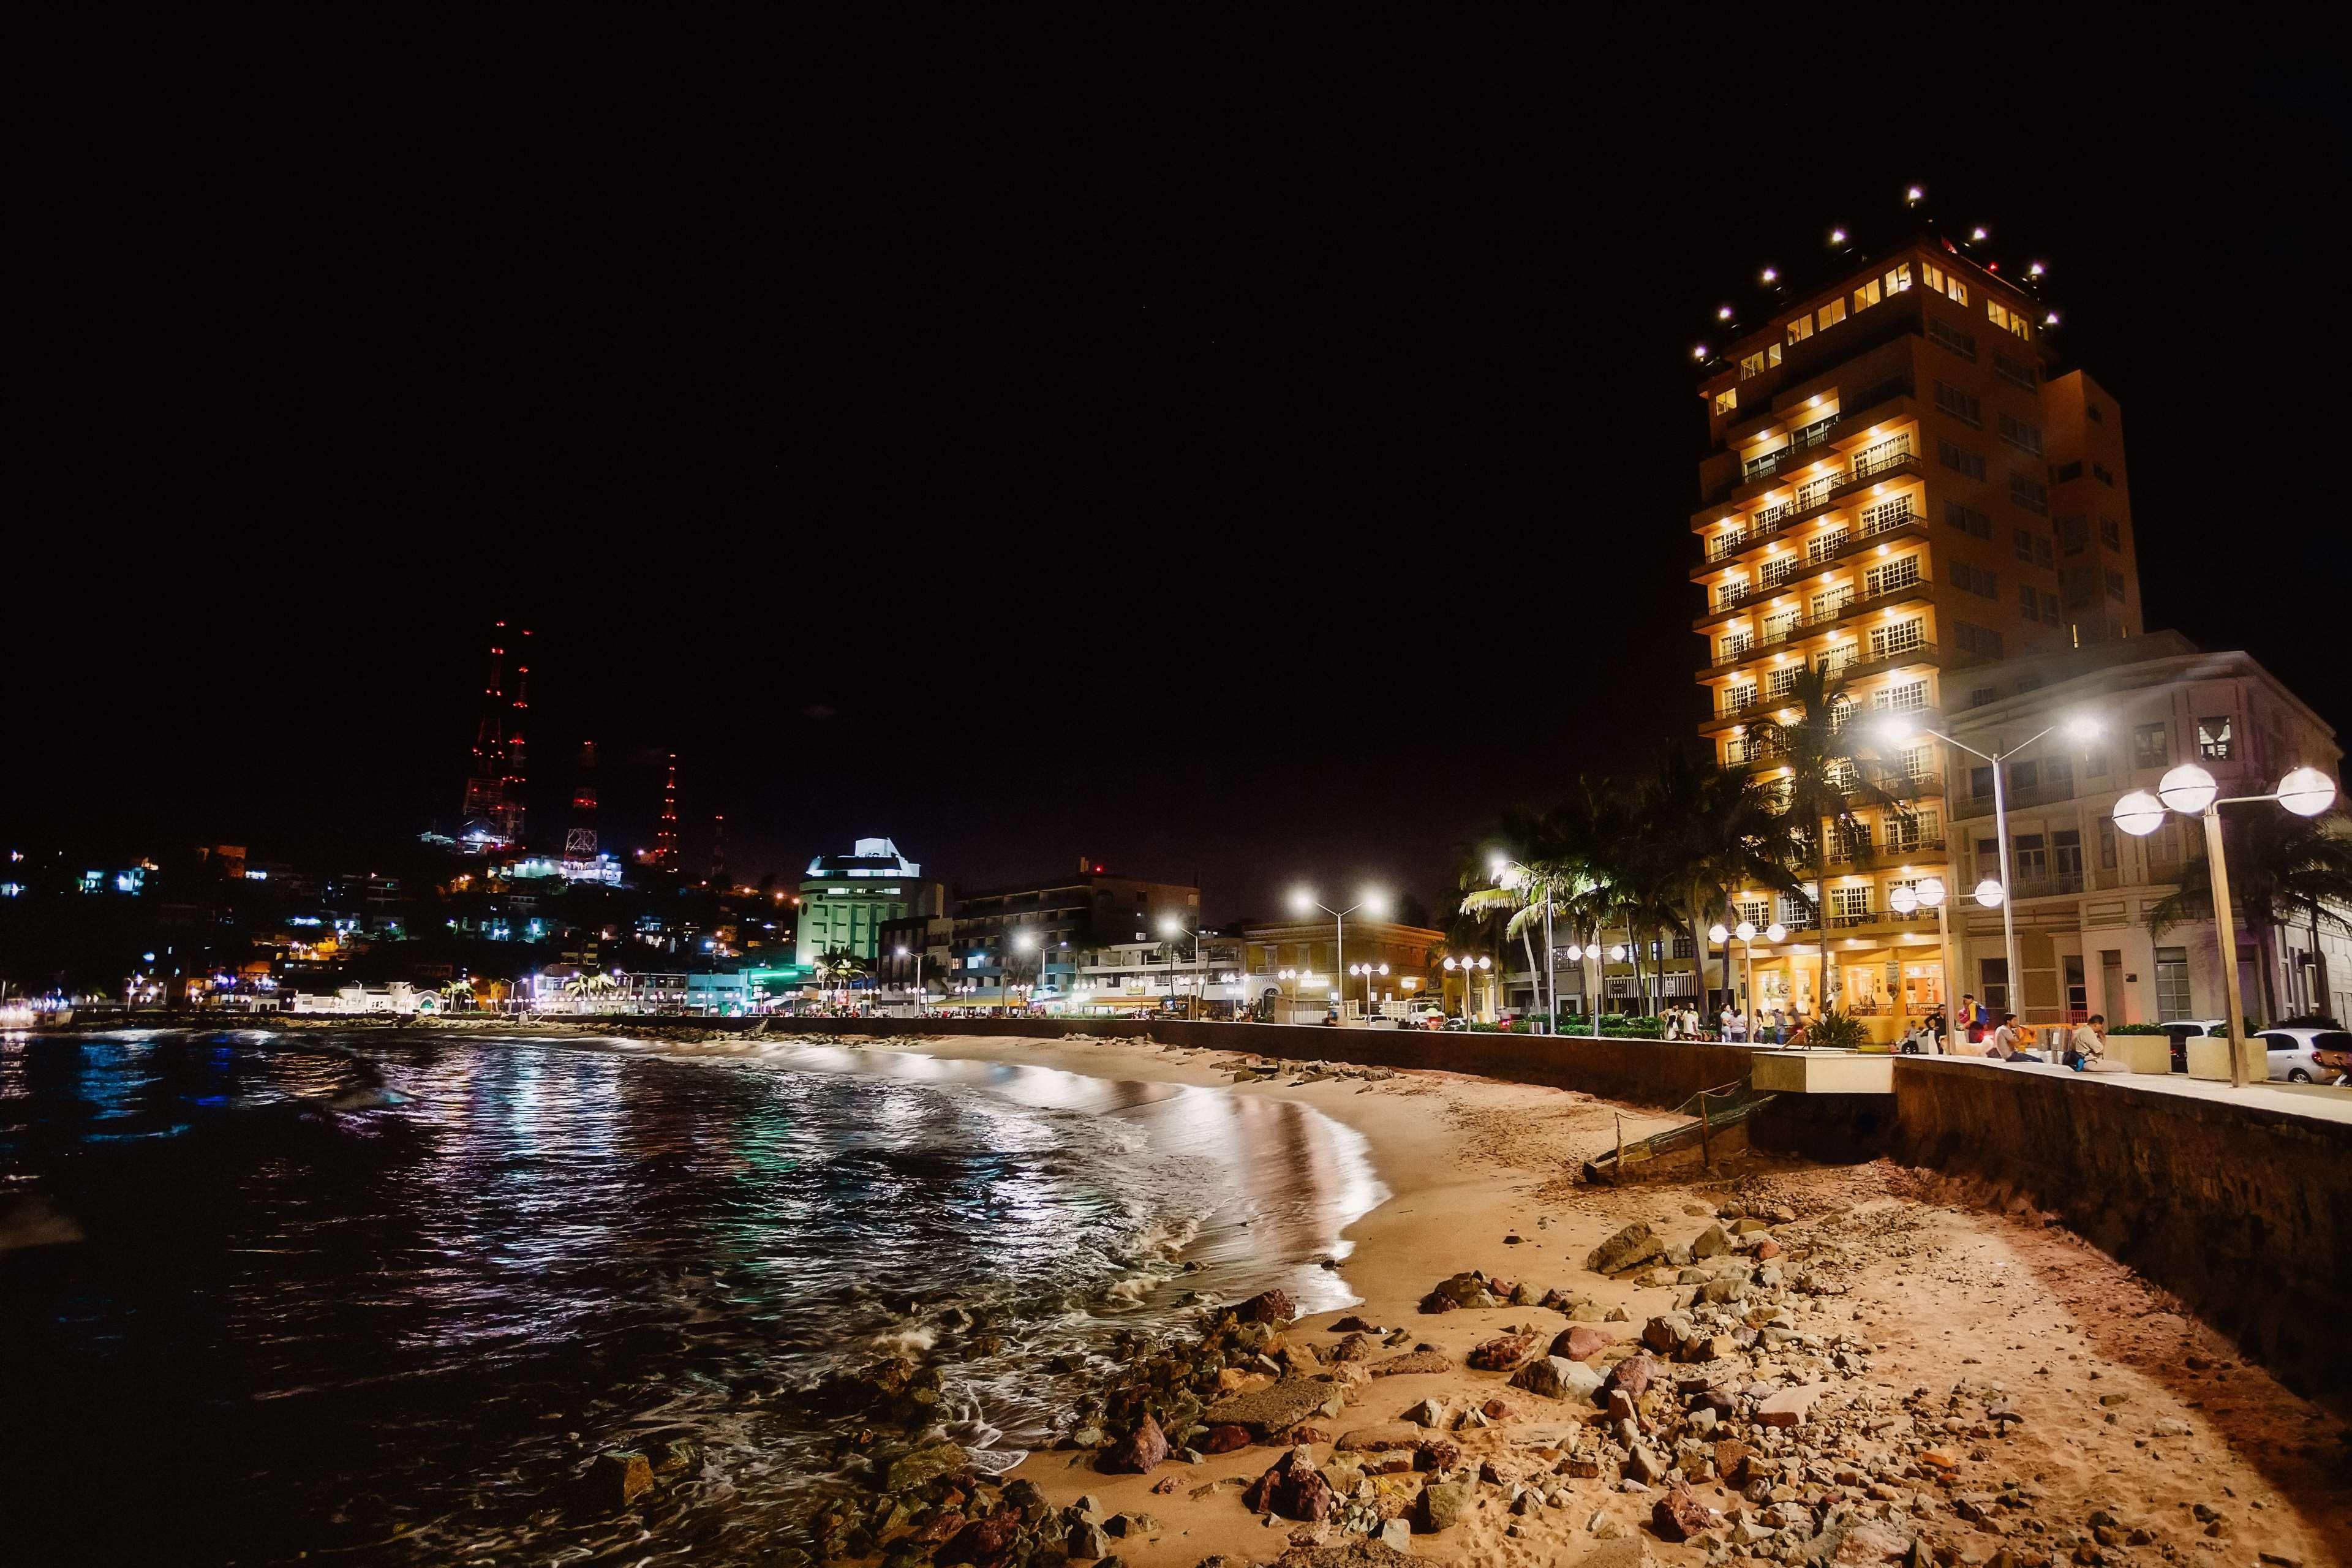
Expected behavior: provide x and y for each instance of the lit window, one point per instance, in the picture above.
(1754, 364)
(1799, 329)
(1833, 313)
(1932, 274)
(1727, 400)
(1957, 291)
(1899, 279)
(1866, 296)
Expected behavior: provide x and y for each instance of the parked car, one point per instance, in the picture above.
(2295, 1058)
(2182, 1030)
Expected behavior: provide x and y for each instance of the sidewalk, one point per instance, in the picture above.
(2319, 1100)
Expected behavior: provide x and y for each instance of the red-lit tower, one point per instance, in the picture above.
(516, 775)
(579, 838)
(493, 809)
(665, 857)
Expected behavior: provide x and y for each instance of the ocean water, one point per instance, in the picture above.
(383, 1295)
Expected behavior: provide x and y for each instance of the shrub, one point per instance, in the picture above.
(1835, 1031)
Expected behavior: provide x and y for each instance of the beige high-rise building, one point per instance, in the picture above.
(1897, 488)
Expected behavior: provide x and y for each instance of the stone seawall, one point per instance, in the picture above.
(2244, 1212)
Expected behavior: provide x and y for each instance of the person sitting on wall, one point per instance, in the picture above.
(2086, 1050)
(2009, 1041)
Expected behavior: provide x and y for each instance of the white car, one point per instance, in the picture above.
(2291, 1053)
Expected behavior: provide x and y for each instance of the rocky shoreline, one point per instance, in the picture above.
(1742, 1420)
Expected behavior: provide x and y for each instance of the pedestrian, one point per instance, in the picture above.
(2009, 1041)
(1972, 1018)
(2088, 1046)
(1735, 1026)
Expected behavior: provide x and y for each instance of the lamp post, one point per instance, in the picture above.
(1470, 968)
(1172, 930)
(1368, 971)
(1304, 902)
(920, 998)
(2190, 791)
(1027, 941)
(1746, 932)
(1930, 892)
(1897, 727)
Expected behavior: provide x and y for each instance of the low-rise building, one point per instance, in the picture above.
(1301, 963)
(2083, 890)
(1035, 935)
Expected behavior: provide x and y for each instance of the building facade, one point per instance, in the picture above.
(1898, 487)
(2081, 888)
(1308, 961)
(1036, 934)
(846, 899)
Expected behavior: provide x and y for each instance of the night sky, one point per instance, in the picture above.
(1229, 489)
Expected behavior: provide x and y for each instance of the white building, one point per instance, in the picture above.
(846, 899)
(2082, 888)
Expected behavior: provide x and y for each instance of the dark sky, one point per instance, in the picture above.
(1224, 488)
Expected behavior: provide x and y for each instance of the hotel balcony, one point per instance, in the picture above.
(1886, 857)
(1825, 555)
(1817, 466)
(1780, 632)
(1893, 458)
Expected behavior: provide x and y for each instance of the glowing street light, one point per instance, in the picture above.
(1303, 902)
(921, 996)
(1471, 968)
(1746, 933)
(1368, 971)
(2080, 727)
(2190, 791)
(1929, 893)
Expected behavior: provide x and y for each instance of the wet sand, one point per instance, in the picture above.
(2127, 1410)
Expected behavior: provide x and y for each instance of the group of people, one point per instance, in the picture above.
(1985, 1033)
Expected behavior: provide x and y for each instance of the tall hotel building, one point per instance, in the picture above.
(1897, 488)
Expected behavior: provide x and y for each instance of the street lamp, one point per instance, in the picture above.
(1368, 971)
(2082, 727)
(1171, 930)
(1746, 932)
(1469, 968)
(921, 997)
(1929, 893)
(1028, 940)
(1304, 904)
(2190, 791)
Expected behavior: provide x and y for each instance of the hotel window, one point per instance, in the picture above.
(1757, 912)
(1735, 644)
(1958, 404)
(1909, 833)
(2095, 763)
(2116, 586)
(1974, 580)
(1736, 697)
(1932, 275)
(2073, 535)
(1796, 912)
(2030, 494)
(1918, 762)
(1826, 546)
(1780, 682)
(1886, 578)
(1799, 329)
(1727, 400)
(2104, 476)
(1899, 279)
(1967, 520)
(2151, 747)
(2027, 605)
(1955, 290)
(2107, 847)
(1880, 516)
(1981, 695)
(1831, 603)
(1900, 637)
(1907, 698)
(1952, 338)
(1866, 296)
(2111, 532)
(1831, 314)
(2049, 608)
(2062, 473)
(2018, 434)
(2030, 857)
(2015, 372)
(1776, 571)
(2214, 739)
(1759, 362)
(1994, 983)
(1850, 906)
(2034, 547)
(1960, 459)
(1976, 640)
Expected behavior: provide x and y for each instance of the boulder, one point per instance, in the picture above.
(1225, 1439)
(1292, 1489)
(984, 1543)
(1136, 1452)
(1580, 1341)
(1428, 1413)
(1268, 1307)
(1634, 1374)
(1086, 1539)
(920, 1467)
(1679, 1515)
(1441, 1506)
(1469, 1290)
(619, 1477)
(1278, 1408)
(1355, 1347)
(1557, 1377)
(1504, 1351)
(1629, 1249)
(1411, 1362)
(1790, 1406)
(1710, 1242)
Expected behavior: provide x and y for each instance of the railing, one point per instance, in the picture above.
(1886, 521)
(2047, 886)
(1882, 458)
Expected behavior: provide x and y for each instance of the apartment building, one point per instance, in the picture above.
(2081, 890)
(1899, 486)
(846, 899)
(1038, 933)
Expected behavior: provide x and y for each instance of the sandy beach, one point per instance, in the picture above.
(1986, 1386)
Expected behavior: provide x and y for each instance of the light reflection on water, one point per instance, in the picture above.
(386, 1291)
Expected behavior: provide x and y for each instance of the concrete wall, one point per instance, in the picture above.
(2243, 1212)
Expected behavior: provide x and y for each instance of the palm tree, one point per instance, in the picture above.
(1715, 831)
(1824, 781)
(2281, 867)
(458, 993)
(1544, 871)
(841, 966)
